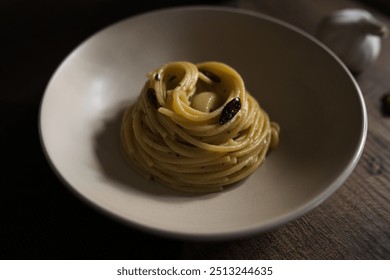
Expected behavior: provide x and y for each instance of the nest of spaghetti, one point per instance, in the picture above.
(195, 128)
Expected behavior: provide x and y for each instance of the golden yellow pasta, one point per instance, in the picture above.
(195, 128)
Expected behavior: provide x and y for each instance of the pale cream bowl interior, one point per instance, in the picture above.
(300, 84)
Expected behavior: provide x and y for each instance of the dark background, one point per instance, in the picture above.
(39, 217)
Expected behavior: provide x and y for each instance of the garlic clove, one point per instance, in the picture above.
(354, 35)
(206, 101)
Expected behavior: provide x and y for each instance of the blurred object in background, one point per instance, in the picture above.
(355, 35)
(307, 14)
(355, 46)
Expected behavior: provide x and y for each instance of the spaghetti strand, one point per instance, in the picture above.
(174, 132)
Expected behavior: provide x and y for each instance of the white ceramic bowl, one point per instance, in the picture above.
(301, 84)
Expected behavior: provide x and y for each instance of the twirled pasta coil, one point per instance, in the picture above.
(196, 128)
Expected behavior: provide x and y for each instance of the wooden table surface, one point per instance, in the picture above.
(41, 219)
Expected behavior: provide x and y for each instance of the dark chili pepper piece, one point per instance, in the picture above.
(211, 76)
(151, 94)
(230, 110)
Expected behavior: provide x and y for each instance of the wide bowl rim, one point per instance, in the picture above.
(234, 234)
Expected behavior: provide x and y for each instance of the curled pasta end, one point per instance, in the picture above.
(196, 128)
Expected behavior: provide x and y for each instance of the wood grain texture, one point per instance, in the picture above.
(41, 219)
(354, 223)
